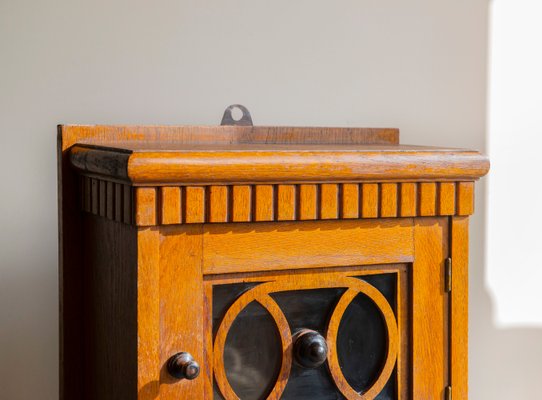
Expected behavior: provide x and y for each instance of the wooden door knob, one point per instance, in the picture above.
(310, 348)
(183, 366)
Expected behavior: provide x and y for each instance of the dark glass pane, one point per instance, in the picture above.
(362, 346)
(390, 390)
(311, 384)
(309, 309)
(216, 393)
(252, 354)
(386, 284)
(224, 296)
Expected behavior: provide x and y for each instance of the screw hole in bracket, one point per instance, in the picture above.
(243, 119)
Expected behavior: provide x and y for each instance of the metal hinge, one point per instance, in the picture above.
(448, 393)
(448, 275)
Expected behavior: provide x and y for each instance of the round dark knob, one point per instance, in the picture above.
(310, 348)
(183, 366)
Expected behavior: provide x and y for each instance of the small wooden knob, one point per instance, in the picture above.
(310, 348)
(183, 366)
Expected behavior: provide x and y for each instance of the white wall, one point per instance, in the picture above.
(419, 65)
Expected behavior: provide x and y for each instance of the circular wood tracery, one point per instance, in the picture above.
(331, 337)
(220, 341)
(261, 293)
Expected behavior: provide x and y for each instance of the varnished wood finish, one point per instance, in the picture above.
(71, 301)
(117, 200)
(308, 202)
(446, 198)
(388, 200)
(264, 203)
(329, 201)
(350, 201)
(465, 198)
(428, 199)
(194, 200)
(219, 204)
(248, 247)
(225, 135)
(286, 202)
(181, 302)
(149, 165)
(170, 205)
(146, 213)
(369, 200)
(242, 206)
(110, 349)
(149, 313)
(459, 329)
(151, 219)
(409, 200)
(404, 320)
(429, 312)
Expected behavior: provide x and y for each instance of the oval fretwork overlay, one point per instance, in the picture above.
(362, 346)
(252, 354)
(253, 343)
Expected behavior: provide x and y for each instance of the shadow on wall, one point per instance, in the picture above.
(504, 363)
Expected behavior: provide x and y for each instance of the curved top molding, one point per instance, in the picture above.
(147, 163)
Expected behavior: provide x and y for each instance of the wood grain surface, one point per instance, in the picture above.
(429, 309)
(109, 351)
(181, 306)
(459, 329)
(169, 205)
(165, 136)
(292, 164)
(291, 245)
(148, 313)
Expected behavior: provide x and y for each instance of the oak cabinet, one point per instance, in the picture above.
(245, 262)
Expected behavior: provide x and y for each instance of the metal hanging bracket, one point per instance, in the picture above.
(245, 120)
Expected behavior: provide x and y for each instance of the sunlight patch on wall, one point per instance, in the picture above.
(514, 269)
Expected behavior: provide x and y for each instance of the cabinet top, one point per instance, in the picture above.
(236, 152)
(244, 173)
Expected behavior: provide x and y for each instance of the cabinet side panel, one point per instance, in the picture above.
(110, 310)
(459, 308)
(430, 309)
(148, 313)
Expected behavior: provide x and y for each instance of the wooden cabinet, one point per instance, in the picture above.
(240, 262)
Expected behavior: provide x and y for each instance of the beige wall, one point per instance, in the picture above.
(419, 65)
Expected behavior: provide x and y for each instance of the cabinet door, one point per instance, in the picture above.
(242, 299)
